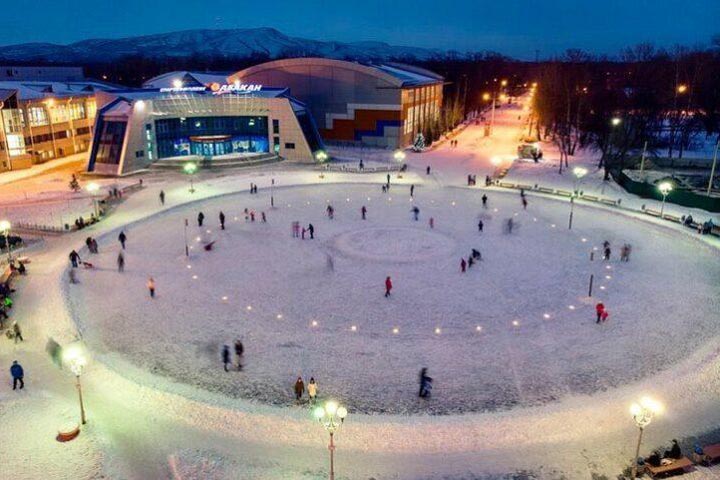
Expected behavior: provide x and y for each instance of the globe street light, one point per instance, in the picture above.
(331, 417)
(665, 188)
(5, 230)
(74, 357)
(190, 168)
(642, 412)
(321, 156)
(93, 188)
(578, 172)
(615, 121)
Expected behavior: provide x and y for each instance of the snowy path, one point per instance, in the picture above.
(149, 427)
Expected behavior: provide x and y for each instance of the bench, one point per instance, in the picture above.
(711, 454)
(654, 213)
(607, 201)
(677, 467)
(545, 190)
(672, 218)
(564, 193)
(591, 198)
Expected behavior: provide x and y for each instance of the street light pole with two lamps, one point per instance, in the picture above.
(665, 188)
(578, 172)
(331, 417)
(642, 413)
(190, 168)
(74, 357)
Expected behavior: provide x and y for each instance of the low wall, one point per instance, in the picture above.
(685, 198)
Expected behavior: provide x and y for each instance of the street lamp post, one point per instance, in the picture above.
(190, 168)
(74, 357)
(665, 188)
(331, 417)
(93, 188)
(578, 172)
(5, 230)
(642, 413)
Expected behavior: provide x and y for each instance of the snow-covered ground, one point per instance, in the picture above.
(144, 423)
(302, 309)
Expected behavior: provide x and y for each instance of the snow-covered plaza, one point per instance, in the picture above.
(525, 380)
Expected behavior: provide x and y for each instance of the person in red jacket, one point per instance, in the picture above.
(604, 315)
(599, 309)
(388, 286)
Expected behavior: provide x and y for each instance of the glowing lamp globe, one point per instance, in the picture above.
(342, 413)
(319, 412)
(331, 408)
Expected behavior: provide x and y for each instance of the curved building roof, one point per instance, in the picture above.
(396, 74)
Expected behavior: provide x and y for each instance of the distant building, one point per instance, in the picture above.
(186, 79)
(383, 105)
(57, 74)
(211, 125)
(45, 113)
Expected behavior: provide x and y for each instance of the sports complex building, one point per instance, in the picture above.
(45, 113)
(383, 105)
(285, 108)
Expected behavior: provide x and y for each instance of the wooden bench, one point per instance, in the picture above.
(591, 198)
(677, 467)
(564, 193)
(672, 218)
(545, 190)
(711, 454)
(607, 201)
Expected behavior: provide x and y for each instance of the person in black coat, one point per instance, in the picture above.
(122, 238)
(201, 217)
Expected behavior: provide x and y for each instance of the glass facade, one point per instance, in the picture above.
(211, 136)
(110, 142)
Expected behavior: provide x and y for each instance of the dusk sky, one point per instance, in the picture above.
(512, 27)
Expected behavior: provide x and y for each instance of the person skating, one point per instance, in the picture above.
(121, 262)
(74, 259)
(201, 218)
(18, 375)
(17, 333)
(311, 231)
(363, 212)
(226, 357)
(463, 265)
(431, 222)
(252, 216)
(480, 226)
(470, 261)
(599, 309)
(412, 190)
(94, 246)
(476, 254)
(425, 384)
(151, 287)
(303, 233)
(606, 253)
(122, 238)
(222, 220)
(263, 217)
(299, 388)
(239, 350)
(312, 389)
(388, 286)
(427, 170)
(330, 212)
(388, 181)
(162, 197)
(416, 213)
(484, 199)
(524, 202)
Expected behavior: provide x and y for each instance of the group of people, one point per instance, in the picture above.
(453, 143)
(253, 189)
(227, 358)
(300, 388)
(474, 257)
(91, 245)
(704, 228)
(298, 232)
(657, 459)
(471, 180)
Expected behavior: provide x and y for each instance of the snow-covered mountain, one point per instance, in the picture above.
(235, 43)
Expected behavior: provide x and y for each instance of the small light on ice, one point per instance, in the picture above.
(583, 240)
(515, 323)
(198, 239)
(453, 203)
(189, 267)
(546, 315)
(602, 287)
(249, 307)
(608, 267)
(495, 209)
(571, 307)
(314, 323)
(534, 219)
(396, 330)
(553, 225)
(437, 330)
(353, 328)
(478, 328)
(208, 231)
(608, 277)
(194, 277)
(279, 316)
(224, 299)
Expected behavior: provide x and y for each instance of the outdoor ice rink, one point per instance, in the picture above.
(516, 330)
